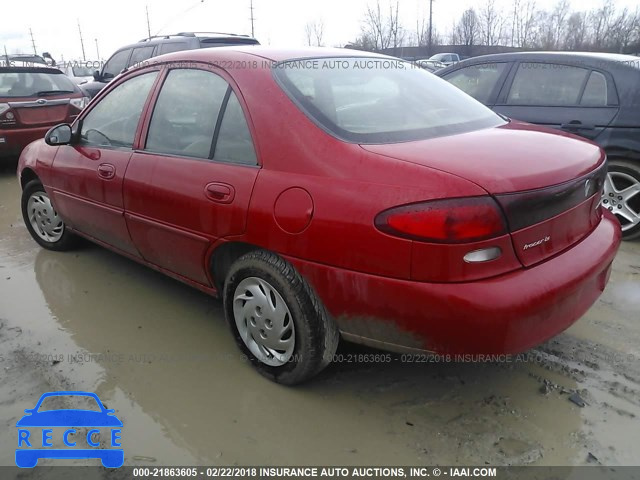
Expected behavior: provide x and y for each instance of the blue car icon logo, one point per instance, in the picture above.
(73, 428)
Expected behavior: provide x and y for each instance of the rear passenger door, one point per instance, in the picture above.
(574, 99)
(190, 180)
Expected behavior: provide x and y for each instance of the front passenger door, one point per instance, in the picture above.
(88, 175)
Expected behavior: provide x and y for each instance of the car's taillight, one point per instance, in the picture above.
(80, 103)
(460, 220)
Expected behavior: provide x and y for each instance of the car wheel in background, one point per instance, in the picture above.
(42, 220)
(276, 318)
(622, 195)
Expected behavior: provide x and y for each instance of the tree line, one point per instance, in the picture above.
(523, 25)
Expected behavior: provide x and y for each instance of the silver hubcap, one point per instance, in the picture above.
(622, 197)
(264, 321)
(43, 217)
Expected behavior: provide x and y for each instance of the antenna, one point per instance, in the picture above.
(84, 57)
(97, 50)
(33, 42)
(430, 26)
(253, 34)
(148, 24)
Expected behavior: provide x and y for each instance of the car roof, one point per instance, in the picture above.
(595, 57)
(214, 37)
(28, 67)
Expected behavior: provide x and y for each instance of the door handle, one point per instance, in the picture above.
(220, 192)
(106, 171)
(577, 125)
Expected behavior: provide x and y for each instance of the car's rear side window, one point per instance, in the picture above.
(234, 143)
(171, 47)
(185, 115)
(380, 100)
(595, 93)
(547, 84)
(141, 54)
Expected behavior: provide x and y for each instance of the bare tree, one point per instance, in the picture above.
(525, 14)
(467, 31)
(577, 32)
(491, 23)
(623, 30)
(600, 22)
(376, 27)
(396, 32)
(314, 32)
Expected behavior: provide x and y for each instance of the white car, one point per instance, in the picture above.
(77, 71)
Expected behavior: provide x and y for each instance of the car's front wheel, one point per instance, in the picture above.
(276, 318)
(42, 220)
(622, 195)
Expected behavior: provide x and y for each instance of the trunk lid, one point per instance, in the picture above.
(547, 185)
(41, 112)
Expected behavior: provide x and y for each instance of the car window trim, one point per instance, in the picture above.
(221, 113)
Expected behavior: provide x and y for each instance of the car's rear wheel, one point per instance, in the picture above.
(276, 318)
(622, 195)
(42, 220)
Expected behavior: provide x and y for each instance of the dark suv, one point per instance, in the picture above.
(154, 46)
(594, 95)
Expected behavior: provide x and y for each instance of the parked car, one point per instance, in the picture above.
(152, 47)
(375, 201)
(32, 99)
(430, 65)
(446, 58)
(77, 70)
(22, 59)
(594, 95)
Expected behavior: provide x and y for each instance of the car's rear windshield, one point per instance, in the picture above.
(32, 83)
(377, 100)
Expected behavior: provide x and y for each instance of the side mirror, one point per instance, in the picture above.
(96, 76)
(59, 135)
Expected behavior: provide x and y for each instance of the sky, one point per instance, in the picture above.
(115, 23)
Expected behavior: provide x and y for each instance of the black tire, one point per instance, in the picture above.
(631, 169)
(316, 335)
(66, 241)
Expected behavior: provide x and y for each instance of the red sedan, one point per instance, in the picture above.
(325, 193)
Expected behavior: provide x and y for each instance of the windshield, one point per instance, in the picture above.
(33, 84)
(440, 57)
(377, 100)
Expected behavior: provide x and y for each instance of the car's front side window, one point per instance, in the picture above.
(116, 64)
(185, 115)
(114, 120)
(547, 84)
(479, 81)
(141, 54)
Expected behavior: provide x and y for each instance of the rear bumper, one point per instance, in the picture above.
(13, 141)
(506, 314)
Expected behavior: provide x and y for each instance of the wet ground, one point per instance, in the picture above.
(164, 360)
